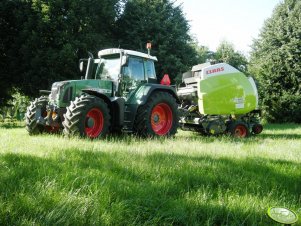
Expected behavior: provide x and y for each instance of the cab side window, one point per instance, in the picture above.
(150, 69)
(135, 69)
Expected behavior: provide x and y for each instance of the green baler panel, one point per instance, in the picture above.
(226, 94)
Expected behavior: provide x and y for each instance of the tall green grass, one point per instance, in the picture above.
(187, 180)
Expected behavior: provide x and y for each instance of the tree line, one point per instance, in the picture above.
(41, 42)
(276, 63)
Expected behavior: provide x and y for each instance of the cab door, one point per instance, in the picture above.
(133, 75)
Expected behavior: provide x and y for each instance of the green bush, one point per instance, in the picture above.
(284, 108)
(16, 108)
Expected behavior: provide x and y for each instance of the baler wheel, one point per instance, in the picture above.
(257, 129)
(87, 116)
(30, 117)
(239, 129)
(158, 117)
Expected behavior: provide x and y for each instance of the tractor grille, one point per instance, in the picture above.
(67, 95)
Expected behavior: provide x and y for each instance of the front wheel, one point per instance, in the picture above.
(158, 117)
(87, 116)
(39, 104)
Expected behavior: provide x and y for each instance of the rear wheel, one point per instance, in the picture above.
(32, 126)
(158, 117)
(87, 116)
(239, 129)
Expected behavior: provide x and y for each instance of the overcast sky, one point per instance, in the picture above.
(237, 21)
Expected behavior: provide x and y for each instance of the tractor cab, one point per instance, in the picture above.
(134, 69)
(126, 69)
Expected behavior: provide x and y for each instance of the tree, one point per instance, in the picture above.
(42, 40)
(162, 23)
(226, 53)
(203, 54)
(276, 62)
(10, 24)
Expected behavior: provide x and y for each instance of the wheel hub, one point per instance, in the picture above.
(90, 122)
(156, 118)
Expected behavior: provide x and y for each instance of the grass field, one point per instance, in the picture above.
(187, 180)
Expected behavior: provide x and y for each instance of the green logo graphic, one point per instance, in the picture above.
(282, 215)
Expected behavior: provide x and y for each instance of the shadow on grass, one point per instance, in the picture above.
(77, 187)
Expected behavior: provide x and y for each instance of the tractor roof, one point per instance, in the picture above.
(125, 52)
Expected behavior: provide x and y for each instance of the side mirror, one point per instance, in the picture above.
(124, 60)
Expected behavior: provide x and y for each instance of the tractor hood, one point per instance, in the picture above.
(64, 91)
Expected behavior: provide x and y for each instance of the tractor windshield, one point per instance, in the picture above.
(108, 67)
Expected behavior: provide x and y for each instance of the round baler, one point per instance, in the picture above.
(218, 99)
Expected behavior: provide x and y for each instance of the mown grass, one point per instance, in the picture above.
(187, 180)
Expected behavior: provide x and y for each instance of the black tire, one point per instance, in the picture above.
(257, 129)
(239, 129)
(146, 118)
(87, 116)
(30, 117)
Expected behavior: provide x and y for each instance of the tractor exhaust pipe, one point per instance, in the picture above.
(89, 66)
(148, 46)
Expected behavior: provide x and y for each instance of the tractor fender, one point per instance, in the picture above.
(97, 93)
(115, 104)
(145, 91)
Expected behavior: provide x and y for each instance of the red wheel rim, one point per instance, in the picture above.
(161, 119)
(240, 131)
(94, 123)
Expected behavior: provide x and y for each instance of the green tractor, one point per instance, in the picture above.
(120, 92)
